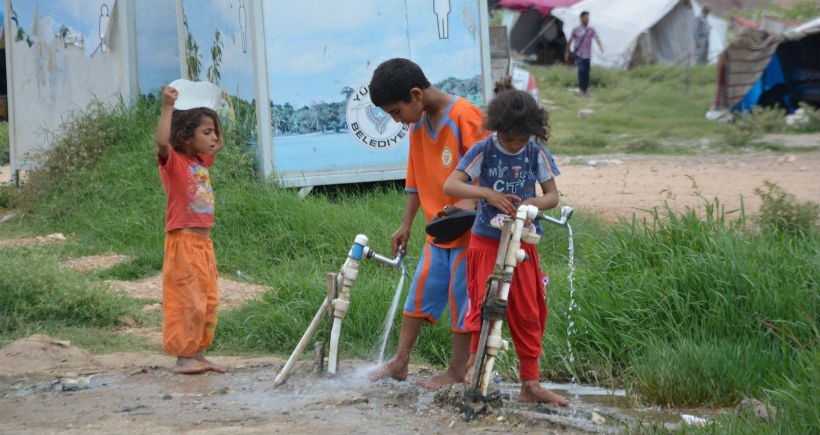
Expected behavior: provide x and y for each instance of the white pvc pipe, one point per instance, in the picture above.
(513, 256)
(349, 273)
(333, 357)
(302, 343)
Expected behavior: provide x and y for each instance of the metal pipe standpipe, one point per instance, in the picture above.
(566, 213)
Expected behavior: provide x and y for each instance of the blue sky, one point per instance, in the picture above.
(82, 16)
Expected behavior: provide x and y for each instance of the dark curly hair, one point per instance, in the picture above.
(185, 122)
(503, 84)
(393, 79)
(515, 112)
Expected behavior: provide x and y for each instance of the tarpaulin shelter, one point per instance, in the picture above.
(542, 6)
(635, 32)
(770, 68)
(533, 31)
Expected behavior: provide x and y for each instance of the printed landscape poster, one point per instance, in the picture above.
(318, 57)
(295, 74)
(216, 40)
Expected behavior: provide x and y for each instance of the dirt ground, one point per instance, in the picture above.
(50, 386)
(620, 185)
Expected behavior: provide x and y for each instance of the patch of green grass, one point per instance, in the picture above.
(678, 305)
(654, 108)
(800, 11)
(40, 294)
(5, 146)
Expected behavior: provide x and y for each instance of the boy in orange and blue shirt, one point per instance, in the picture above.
(443, 127)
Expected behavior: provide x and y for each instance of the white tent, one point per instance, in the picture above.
(642, 31)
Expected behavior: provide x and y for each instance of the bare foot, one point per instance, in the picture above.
(209, 365)
(468, 375)
(438, 381)
(189, 366)
(533, 392)
(390, 369)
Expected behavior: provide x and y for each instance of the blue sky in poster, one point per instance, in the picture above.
(86, 17)
(317, 48)
(157, 50)
(232, 19)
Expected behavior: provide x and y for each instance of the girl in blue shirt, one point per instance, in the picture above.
(508, 167)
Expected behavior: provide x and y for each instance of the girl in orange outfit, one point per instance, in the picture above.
(187, 141)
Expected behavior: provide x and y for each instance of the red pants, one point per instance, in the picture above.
(190, 297)
(526, 304)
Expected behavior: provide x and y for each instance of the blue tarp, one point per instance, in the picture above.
(771, 77)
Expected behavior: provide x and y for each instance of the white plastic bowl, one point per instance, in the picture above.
(196, 94)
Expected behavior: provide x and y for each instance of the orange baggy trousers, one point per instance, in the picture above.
(190, 297)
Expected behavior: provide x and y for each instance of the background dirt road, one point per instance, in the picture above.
(615, 186)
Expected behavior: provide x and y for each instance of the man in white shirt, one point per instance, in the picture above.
(702, 29)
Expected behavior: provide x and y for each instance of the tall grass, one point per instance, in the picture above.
(679, 308)
(40, 294)
(697, 310)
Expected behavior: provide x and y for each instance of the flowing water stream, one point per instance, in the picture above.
(388, 321)
(571, 329)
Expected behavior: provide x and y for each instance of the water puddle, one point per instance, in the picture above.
(618, 403)
(66, 385)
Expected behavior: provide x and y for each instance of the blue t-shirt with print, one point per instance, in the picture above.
(494, 167)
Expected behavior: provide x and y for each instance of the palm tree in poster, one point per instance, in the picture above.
(216, 58)
(193, 60)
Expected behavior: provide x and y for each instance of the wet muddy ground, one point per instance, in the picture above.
(50, 386)
(70, 391)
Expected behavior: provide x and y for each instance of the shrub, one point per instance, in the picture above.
(78, 145)
(780, 210)
(6, 196)
(591, 142)
(751, 125)
(809, 121)
(644, 145)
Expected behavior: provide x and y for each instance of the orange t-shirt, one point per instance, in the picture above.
(187, 183)
(435, 153)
